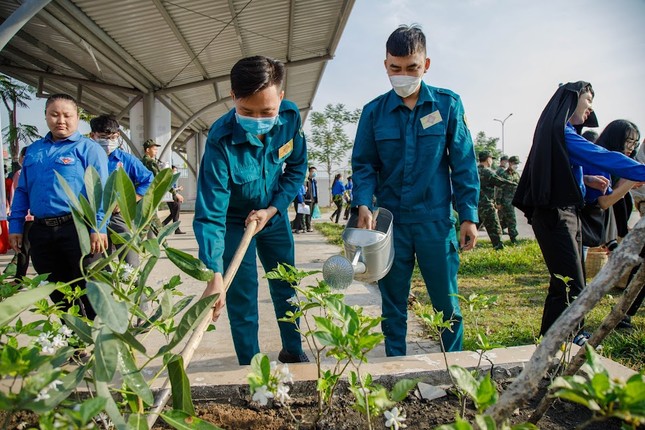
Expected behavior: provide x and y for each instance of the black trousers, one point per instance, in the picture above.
(56, 250)
(118, 225)
(557, 231)
(174, 207)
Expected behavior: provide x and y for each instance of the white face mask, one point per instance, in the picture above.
(109, 145)
(405, 85)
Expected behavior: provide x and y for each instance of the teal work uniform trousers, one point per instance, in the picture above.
(274, 244)
(434, 246)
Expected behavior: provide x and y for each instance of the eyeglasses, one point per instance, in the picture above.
(631, 144)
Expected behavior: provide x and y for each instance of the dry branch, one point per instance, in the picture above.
(526, 384)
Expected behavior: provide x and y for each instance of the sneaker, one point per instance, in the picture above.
(309, 230)
(581, 338)
(179, 232)
(287, 357)
(625, 323)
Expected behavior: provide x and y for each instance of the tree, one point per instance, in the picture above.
(485, 143)
(328, 143)
(15, 95)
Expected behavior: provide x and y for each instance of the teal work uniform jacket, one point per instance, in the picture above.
(239, 173)
(413, 161)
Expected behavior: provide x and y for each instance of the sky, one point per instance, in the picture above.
(500, 56)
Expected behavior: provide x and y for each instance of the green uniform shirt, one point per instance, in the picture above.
(239, 173)
(488, 180)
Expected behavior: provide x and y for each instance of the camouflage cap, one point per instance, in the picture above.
(514, 159)
(148, 143)
(503, 157)
(484, 155)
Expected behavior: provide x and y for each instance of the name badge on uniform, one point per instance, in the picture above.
(431, 119)
(285, 149)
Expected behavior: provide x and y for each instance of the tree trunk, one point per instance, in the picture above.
(526, 384)
(14, 146)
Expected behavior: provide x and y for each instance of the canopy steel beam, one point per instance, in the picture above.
(238, 28)
(19, 18)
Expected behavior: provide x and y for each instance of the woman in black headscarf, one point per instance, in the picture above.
(552, 187)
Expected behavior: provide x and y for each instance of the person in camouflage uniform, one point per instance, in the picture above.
(505, 201)
(150, 161)
(503, 165)
(488, 180)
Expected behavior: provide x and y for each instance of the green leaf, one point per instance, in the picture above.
(137, 422)
(191, 319)
(166, 304)
(167, 230)
(132, 376)
(81, 230)
(70, 382)
(80, 327)
(147, 206)
(485, 422)
(181, 396)
(126, 197)
(182, 421)
(486, 393)
(189, 264)
(129, 339)
(109, 191)
(152, 246)
(402, 388)
(91, 408)
(465, 380)
(111, 407)
(114, 314)
(93, 188)
(106, 354)
(13, 306)
(71, 195)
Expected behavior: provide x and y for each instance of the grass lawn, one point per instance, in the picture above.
(518, 277)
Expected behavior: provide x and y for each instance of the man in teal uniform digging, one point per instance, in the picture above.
(241, 179)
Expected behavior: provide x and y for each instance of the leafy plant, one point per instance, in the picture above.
(111, 345)
(603, 396)
(344, 334)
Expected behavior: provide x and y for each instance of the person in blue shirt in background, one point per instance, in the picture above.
(411, 146)
(553, 185)
(348, 197)
(337, 192)
(105, 131)
(55, 247)
(242, 179)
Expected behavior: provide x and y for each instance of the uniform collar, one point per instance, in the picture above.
(116, 154)
(394, 101)
(74, 137)
(239, 135)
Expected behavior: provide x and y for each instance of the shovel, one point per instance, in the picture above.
(163, 395)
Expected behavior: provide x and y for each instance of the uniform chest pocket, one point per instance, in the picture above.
(432, 140)
(246, 182)
(388, 142)
(244, 174)
(69, 167)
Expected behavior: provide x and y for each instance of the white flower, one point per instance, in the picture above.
(284, 375)
(282, 393)
(43, 339)
(293, 300)
(59, 341)
(65, 331)
(274, 366)
(126, 272)
(43, 395)
(22, 425)
(394, 419)
(262, 395)
(53, 385)
(42, 283)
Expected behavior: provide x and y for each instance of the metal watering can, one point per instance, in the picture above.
(369, 253)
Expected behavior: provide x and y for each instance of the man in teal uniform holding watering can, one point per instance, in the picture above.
(241, 179)
(413, 151)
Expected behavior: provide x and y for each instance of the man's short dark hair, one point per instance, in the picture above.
(104, 124)
(406, 40)
(253, 74)
(312, 168)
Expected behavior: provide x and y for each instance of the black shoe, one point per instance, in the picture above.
(287, 357)
(581, 338)
(179, 232)
(625, 324)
